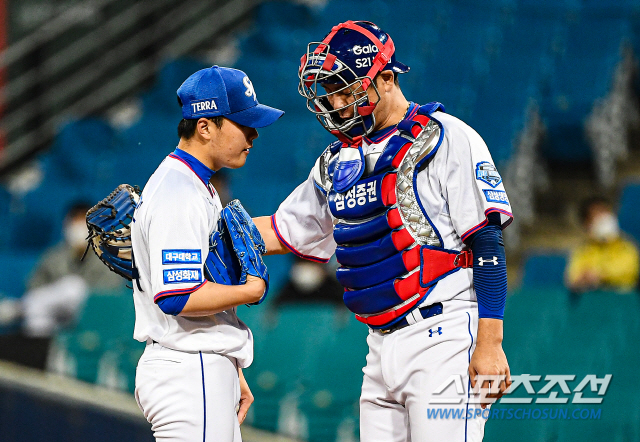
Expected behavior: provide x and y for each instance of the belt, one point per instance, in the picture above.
(425, 312)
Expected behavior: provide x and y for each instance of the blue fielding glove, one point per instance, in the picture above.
(235, 250)
(109, 224)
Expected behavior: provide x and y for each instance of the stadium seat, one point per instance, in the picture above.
(332, 387)
(629, 212)
(284, 28)
(535, 315)
(544, 270)
(127, 361)
(82, 152)
(161, 98)
(15, 269)
(588, 45)
(34, 228)
(145, 144)
(287, 347)
(105, 324)
(35, 225)
(155, 135)
(596, 334)
(5, 210)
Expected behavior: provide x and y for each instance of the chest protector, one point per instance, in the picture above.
(389, 252)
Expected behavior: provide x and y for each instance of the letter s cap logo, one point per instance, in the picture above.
(250, 90)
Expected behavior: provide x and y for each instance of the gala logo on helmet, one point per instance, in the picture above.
(368, 49)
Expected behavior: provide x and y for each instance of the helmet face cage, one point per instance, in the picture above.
(313, 74)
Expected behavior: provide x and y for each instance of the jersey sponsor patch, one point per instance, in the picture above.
(178, 256)
(487, 173)
(175, 276)
(359, 195)
(496, 196)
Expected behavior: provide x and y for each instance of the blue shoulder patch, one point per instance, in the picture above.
(177, 276)
(496, 196)
(182, 256)
(487, 172)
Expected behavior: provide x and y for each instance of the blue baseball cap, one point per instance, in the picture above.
(219, 91)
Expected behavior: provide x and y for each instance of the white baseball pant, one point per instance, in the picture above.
(404, 368)
(188, 397)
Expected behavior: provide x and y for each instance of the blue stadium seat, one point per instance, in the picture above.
(34, 225)
(587, 52)
(280, 88)
(105, 324)
(161, 98)
(376, 11)
(82, 152)
(629, 212)
(5, 210)
(284, 28)
(32, 229)
(552, 6)
(145, 145)
(288, 346)
(332, 388)
(15, 269)
(261, 196)
(544, 270)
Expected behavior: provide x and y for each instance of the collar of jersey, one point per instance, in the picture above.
(385, 133)
(196, 166)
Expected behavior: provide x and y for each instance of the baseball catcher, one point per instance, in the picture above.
(410, 202)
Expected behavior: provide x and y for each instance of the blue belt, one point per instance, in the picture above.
(425, 312)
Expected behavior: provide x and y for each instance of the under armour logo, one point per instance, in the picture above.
(481, 261)
(431, 332)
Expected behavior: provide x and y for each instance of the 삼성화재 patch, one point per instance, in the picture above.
(176, 276)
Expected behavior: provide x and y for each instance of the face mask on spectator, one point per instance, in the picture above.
(76, 233)
(605, 227)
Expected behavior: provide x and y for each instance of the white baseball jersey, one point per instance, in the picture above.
(177, 214)
(457, 189)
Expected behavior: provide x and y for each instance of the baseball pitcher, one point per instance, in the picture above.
(191, 263)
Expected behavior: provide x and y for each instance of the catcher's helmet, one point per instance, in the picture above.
(351, 55)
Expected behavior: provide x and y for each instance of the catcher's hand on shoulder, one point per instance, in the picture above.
(235, 250)
(109, 224)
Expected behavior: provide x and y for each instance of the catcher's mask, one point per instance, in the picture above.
(349, 57)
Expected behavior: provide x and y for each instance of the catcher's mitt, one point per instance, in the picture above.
(235, 249)
(109, 229)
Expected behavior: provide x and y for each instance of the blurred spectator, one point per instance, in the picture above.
(310, 282)
(606, 260)
(56, 291)
(61, 281)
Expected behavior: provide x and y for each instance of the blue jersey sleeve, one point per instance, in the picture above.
(173, 305)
